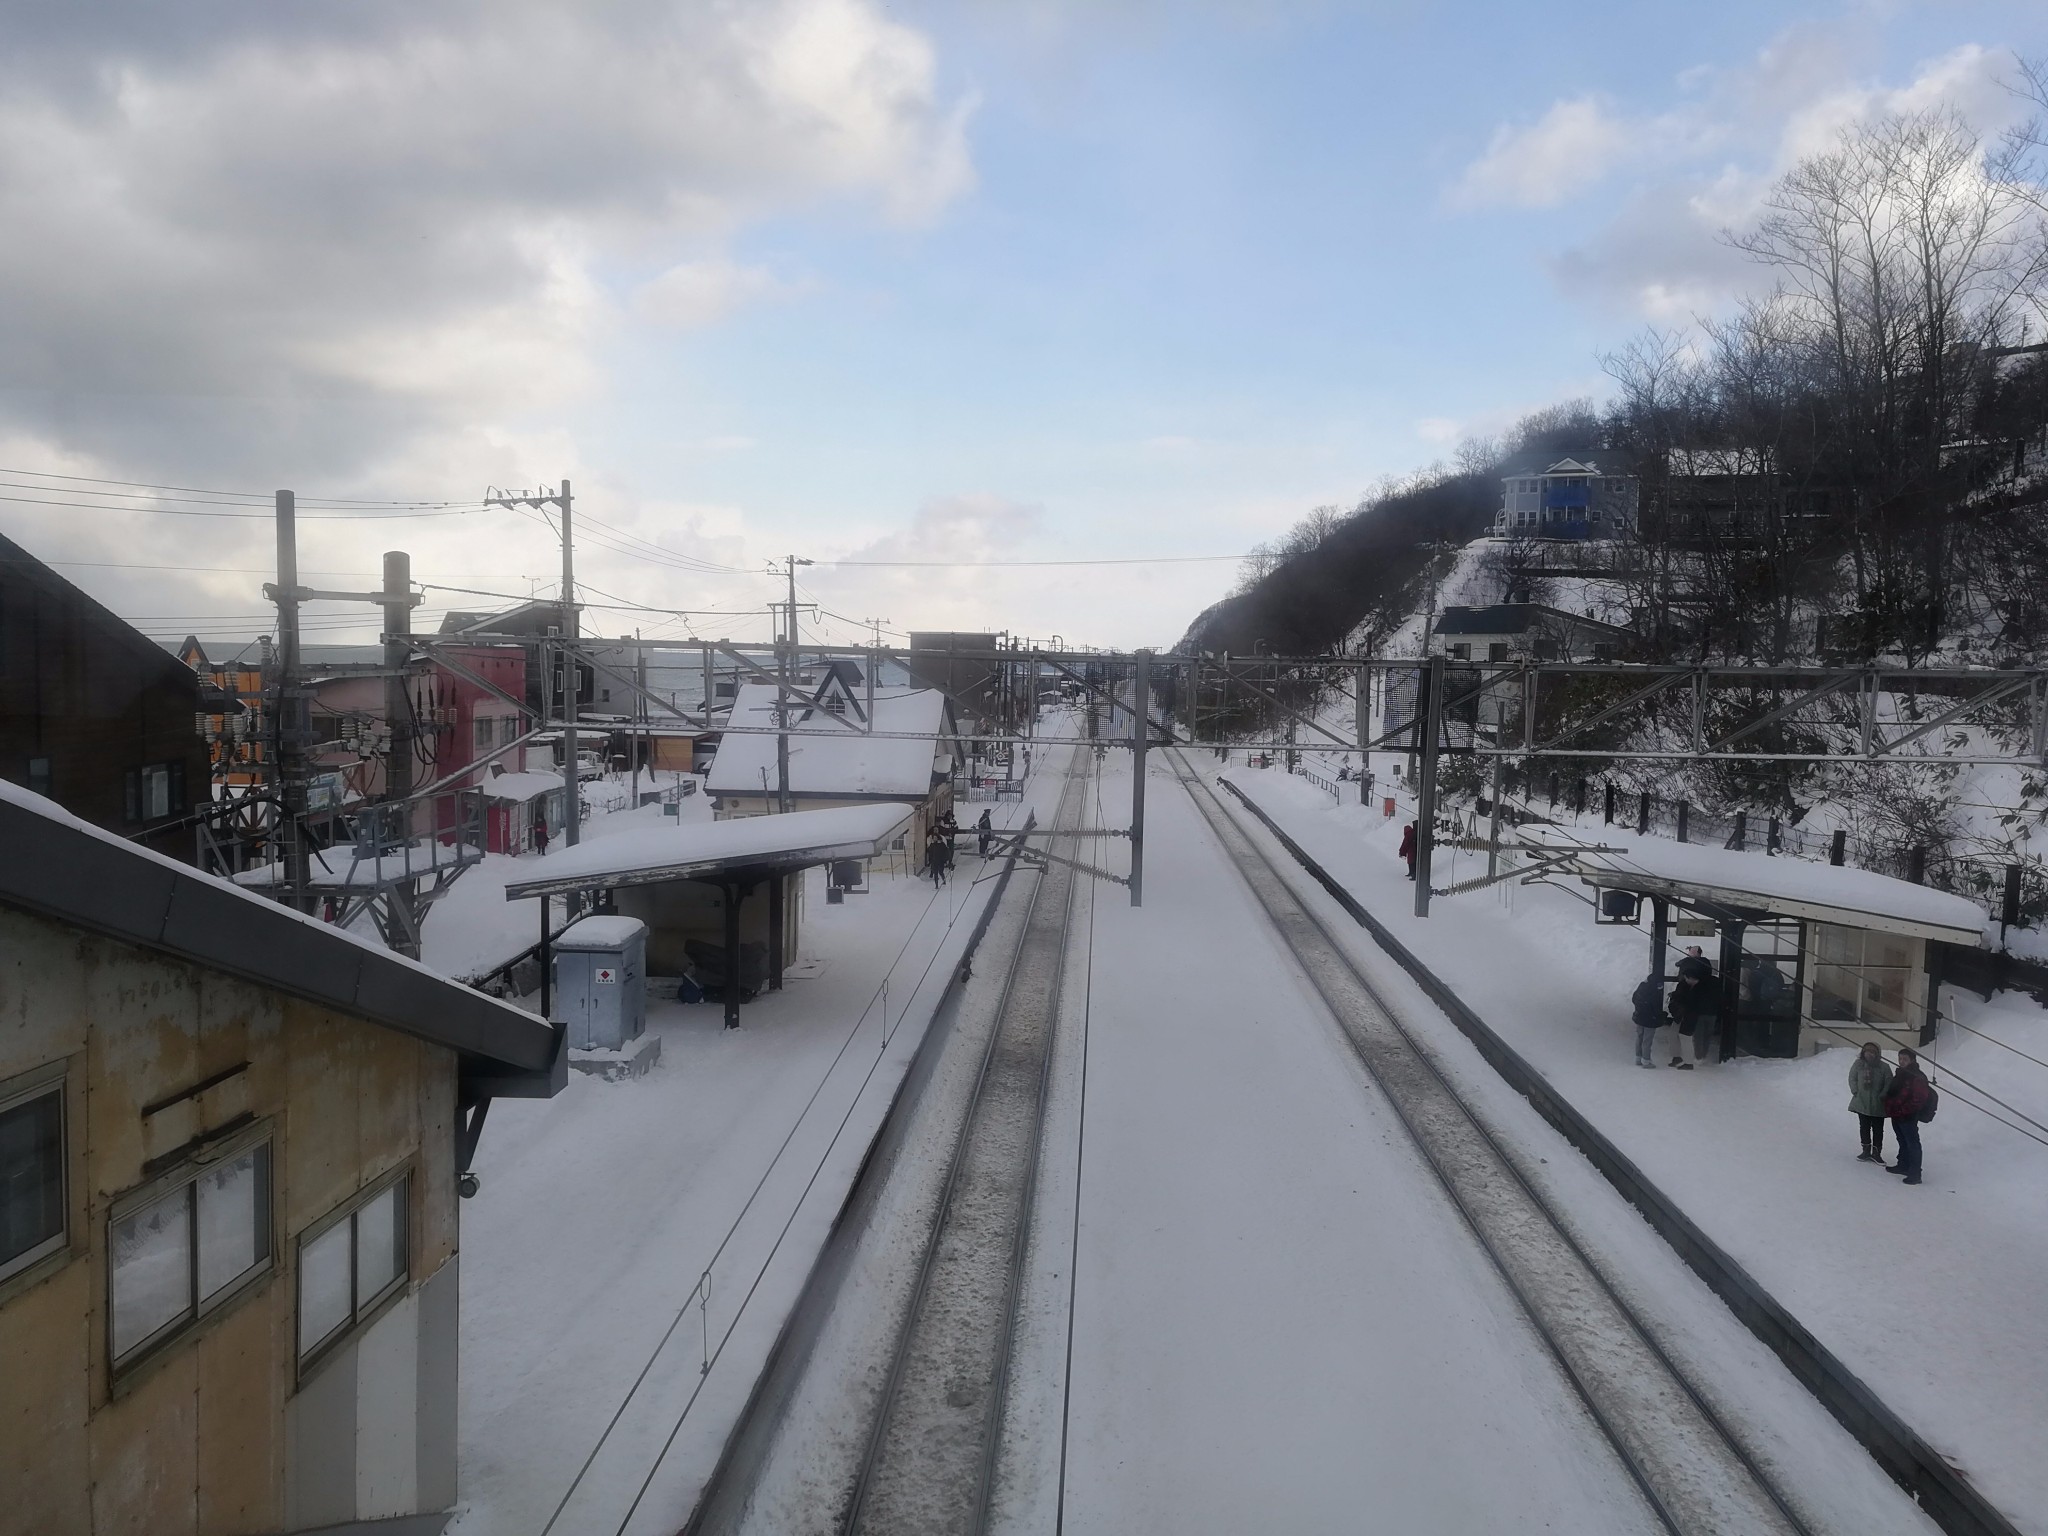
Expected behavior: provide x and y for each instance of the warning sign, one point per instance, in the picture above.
(606, 973)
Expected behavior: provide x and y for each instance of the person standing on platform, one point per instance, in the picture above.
(1870, 1079)
(1648, 1003)
(1696, 1004)
(1910, 1101)
(984, 829)
(1408, 847)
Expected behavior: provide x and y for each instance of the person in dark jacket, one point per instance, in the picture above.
(1696, 1005)
(1903, 1105)
(1870, 1079)
(1408, 847)
(938, 856)
(1648, 1002)
(984, 829)
(540, 835)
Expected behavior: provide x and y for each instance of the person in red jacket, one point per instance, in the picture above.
(1903, 1105)
(1408, 847)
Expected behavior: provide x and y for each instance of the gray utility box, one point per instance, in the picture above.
(600, 982)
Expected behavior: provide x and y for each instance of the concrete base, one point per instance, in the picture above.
(635, 1059)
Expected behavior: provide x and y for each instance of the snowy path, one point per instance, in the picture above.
(1280, 1322)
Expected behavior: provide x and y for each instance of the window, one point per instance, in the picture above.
(1461, 651)
(1861, 977)
(153, 792)
(32, 1223)
(1497, 651)
(350, 1264)
(184, 1246)
(39, 775)
(486, 732)
(508, 730)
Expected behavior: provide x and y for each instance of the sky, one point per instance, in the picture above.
(944, 297)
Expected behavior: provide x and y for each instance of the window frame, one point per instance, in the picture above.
(123, 1368)
(23, 1088)
(362, 1313)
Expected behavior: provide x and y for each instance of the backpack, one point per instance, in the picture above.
(1933, 1103)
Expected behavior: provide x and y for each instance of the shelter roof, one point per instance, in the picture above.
(62, 868)
(1787, 887)
(520, 786)
(706, 849)
(849, 760)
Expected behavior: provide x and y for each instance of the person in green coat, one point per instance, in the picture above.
(1870, 1079)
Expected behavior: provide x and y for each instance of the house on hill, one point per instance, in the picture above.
(1552, 495)
(94, 714)
(839, 754)
(231, 1143)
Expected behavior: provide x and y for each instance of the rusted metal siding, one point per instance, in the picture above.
(194, 1440)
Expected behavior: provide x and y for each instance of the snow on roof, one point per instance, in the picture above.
(1855, 898)
(77, 873)
(520, 786)
(849, 762)
(700, 848)
(600, 933)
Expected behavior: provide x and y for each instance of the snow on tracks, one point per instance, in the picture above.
(1692, 1470)
(929, 1464)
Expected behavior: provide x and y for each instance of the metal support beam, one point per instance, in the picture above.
(776, 889)
(1141, 736)
(734, 895)
(1425, 798)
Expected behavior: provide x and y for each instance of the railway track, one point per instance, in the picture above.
(1692, 1469)
(929, 1461)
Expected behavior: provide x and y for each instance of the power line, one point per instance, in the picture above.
(236, 510)
(953, 565)
(254, 496)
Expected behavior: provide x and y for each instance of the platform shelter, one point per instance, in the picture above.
(1820, 954)
(723, 883)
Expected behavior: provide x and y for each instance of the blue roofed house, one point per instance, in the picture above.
(1553, 495)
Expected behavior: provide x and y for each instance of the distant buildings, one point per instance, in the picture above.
(95, 715)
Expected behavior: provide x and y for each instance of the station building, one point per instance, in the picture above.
(231, 1140)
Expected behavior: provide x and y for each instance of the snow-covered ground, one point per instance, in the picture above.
(1934, 1296)
(585, 1252)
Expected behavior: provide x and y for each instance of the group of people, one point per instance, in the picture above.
(938, 843)
(1878, 1091)
(1694, 1008)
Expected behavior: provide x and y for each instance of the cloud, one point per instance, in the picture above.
(276, 238)
(1438, 429)
(694, 294)
(1573, 146)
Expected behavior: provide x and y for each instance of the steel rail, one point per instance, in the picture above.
(1944, 1493)
(896, 1466)
(1658, 1423)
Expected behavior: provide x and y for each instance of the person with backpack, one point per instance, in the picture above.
(1696, 1005)
(1870, 1079)
(1909, 1105)
(1648, 1002)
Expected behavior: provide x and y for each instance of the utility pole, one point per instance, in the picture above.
(562, 502)
(639, 713)
(398, 760)
(572, 795)
(291, 710)
(788, 649)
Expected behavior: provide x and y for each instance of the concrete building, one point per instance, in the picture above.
(95, 715)
(231, 1139)
(1523, 632)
